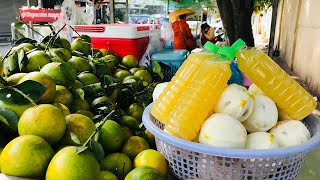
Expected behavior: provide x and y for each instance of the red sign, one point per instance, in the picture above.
(39, 15)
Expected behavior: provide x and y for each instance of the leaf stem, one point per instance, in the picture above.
(8, 53)
(32, 28)
(23, 94)
(74, 30)
(55, 36)
(98, 128)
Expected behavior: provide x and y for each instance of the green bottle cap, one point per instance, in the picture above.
(227, 53)
(239, 44)
(211, 47)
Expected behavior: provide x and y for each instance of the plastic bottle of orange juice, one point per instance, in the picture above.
(163, 106)
(201, 95)
(289, 96)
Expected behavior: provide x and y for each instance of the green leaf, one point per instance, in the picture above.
(77, 53)
(125, 98)
(31, 88)
(80, 149)
(42, 46)
(57, 59)
(9, 118)
(46, 40)
(130, 81)
(24, 93)
(92, 89)
(4, 120)
(122, 66)
(20, 35)
(69, 72)
(145, 83)
(97, 150)
(86, 38)
(25, 40)
(22, 59)
(97, 118)
(9, 65)
(93, 67)
(157, 69)
(74, 138)
(108, 83)
(18, 24)
(80, 93)
(2, 82)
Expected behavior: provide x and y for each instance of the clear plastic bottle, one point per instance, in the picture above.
(167, 34)
(289, 96)
(201, 95)
(163, 106)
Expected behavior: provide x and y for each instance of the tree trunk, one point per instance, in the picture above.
(225, 9)
(236, 18)
(112, 11)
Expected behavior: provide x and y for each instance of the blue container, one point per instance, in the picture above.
(173, 59)
(236, 76)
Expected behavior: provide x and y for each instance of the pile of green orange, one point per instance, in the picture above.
(54, 97)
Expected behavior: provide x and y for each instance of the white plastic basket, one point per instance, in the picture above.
(189, 160)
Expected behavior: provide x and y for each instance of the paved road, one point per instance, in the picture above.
(4, 47)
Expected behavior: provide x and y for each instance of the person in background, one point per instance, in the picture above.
(183, 38)
(207, 33)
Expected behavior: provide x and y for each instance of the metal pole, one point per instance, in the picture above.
(40, 3)
(127, 11)
(167, 7)
(111, 11)
(30, 32)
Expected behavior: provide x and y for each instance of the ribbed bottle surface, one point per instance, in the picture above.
(196, 102)
(289, 96)
(163, 106)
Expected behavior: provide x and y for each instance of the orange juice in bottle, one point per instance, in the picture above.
(163, 106)
(289, 96)
(196, 102)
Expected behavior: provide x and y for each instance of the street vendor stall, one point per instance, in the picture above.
(33, 19)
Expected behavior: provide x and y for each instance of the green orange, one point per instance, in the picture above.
(144, 172)
(44, 120)
(87, 78)
(144, 75)
(36, 60)
(151, 158)
(134, 145)
(26, 156)
(63, 96)
(122, 74)
(46, 81)
(117, 163)
(68, 164)
(81, 126)
(111, 136)
(130, 61)
(135, 110)
(80, 64)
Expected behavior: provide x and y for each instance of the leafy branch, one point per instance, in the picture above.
(98, 128)
(55, 35)
(19, 24)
